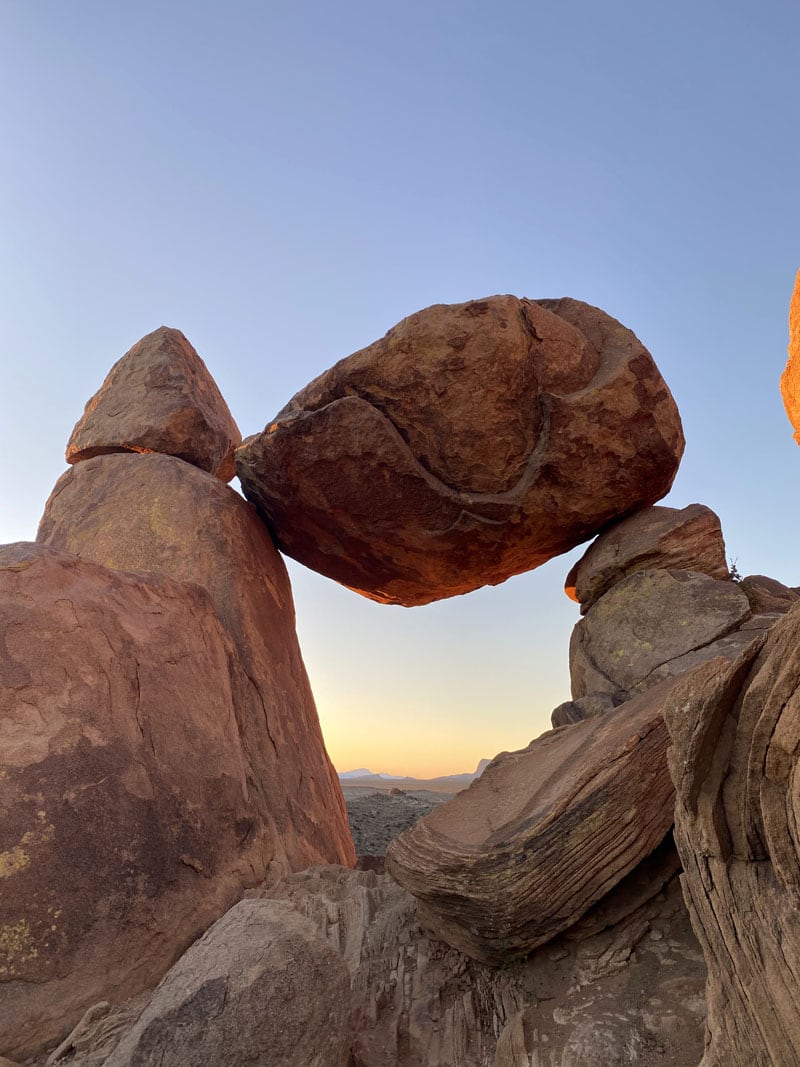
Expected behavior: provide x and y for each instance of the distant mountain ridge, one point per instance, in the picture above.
(446, 783)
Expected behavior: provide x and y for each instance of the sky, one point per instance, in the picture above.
(284, 182)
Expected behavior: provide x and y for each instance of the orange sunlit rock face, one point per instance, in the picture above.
(790, 379)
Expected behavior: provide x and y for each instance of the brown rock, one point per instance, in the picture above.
(159, 398)
(766, 595)
(734, 759)
(585, 707)
(655, 538)
(543, 834)
(646, 626)
(156, 513)
(790, 379)
(261, 987)
(128, 823)
(473, 442)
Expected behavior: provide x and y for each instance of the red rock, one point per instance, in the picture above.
(159, 398)
(790, 379)
(157, 513)
(473, 442)
(768, 595)
(655, 538)
(543, 834)
(128, 822)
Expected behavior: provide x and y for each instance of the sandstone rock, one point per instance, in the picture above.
(790, 379)
(157, 513)
(644, 627)
(473, 442)
(734, 759)
(766, 595)
(542, 835)
(655, 538)
(159, 398)
(585, 707)
(127, 821)
(260, 987)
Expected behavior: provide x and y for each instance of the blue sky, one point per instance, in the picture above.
(285, 182)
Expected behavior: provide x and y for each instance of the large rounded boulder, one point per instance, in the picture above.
(473, 442)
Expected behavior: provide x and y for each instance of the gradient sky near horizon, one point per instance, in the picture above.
(284, 182)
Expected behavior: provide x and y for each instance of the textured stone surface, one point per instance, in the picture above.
(790, 379)
(157, 513)
(768, 596)
(543, 834)
(262, 986)
(159, 398)
(735, 730)
(127, 825)
(646, 626)
(585, 707)
(656, 538)
(474, 441)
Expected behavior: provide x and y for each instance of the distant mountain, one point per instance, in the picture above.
(446, 783)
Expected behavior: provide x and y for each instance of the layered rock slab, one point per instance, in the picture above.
(662, 538)
(128, 825)
(473, 442)
(735, 730)
(159, 397)
(157, 513)
(262, 986)
(543, 834)
(790, 379)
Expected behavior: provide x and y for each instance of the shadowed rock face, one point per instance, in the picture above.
(790, 379)
(543, 834)
(474, 441)
(159, 398)
(735, 730)
(157, 513)
(127, 821)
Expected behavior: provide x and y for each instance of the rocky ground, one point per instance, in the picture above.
(377, 817)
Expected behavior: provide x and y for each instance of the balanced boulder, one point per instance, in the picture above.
(473, 442)
(543, 834)
(128, 821)
(159, 397)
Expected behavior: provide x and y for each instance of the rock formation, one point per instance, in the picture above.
(473, 442)
(735, 735)
(159, 398)
(543, 834)
(790, 379)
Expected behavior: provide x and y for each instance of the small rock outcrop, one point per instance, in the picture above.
(262, 986)
(543, 834)
(128, 822)
(473, 442)
(790, 379)
(735, 733)
(159, 397)
(660, 538)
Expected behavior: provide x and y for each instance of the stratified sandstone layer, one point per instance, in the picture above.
(473, 442)
(735, 730)
(543, 834)
(159, 397)
(128, 824)
(157, 513)
(790, 379)
(688, 539)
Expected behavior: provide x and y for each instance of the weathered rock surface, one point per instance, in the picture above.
(415, 1002)
(656, 538)
(585, 707)
(768, 596)
(157, 513)
(543, 834)
(159, 398)
(128, 825)
(262, 986)
(790, 379)
(656, 624)
(735, 732)
(473, 442)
